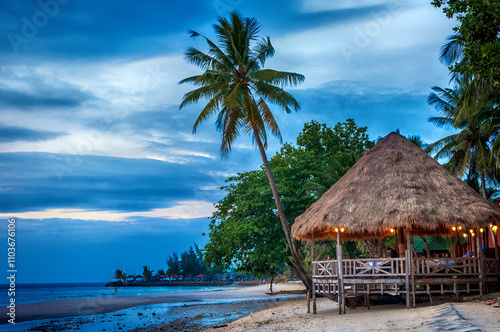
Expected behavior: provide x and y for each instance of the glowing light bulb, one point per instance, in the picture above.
(454, 228)
(471, 231)
(481, 230)
(392, 230)
(465, 234)
(341, 230)
(336, 229)
(459, 228)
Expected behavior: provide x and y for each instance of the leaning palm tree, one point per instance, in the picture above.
(239, 92)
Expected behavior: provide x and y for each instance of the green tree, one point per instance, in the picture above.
(243, 230)
(173, 264)
(147, 273)
(161, 272)
(192, 261)
(477, 34)
(239, 90)
(120, 275)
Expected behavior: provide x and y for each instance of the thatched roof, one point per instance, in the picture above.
(394, 184)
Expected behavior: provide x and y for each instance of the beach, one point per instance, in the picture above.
(250, 309)
(474, 315)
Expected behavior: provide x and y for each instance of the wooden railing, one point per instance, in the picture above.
(363, 267)
(491, 266)
(380, 267)
(325, 269)
(395, 267)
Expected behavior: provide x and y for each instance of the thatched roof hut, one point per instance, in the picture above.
(395, 184)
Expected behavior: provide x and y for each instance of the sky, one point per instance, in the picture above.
(98, 166)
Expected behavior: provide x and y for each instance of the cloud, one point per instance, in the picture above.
(325, 5)
(14, 134)
(181, 210)
(39, 181)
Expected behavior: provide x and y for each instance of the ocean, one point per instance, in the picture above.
(31, 293)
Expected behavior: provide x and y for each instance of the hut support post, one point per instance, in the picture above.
(479, 250)
(408, 266)
(313, 256)
(340, 298)
(308, 301)
(495, 243)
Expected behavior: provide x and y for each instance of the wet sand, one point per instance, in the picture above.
(80, 307)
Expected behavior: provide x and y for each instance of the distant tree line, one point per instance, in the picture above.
(190, 262)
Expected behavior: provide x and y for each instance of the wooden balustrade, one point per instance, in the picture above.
(395, 267)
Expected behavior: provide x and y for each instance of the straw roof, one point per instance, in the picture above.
(395, 184)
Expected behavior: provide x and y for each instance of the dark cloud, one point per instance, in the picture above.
(24, 101)
(38, 181)
(297, 20)
(15, 134)
(115, 27)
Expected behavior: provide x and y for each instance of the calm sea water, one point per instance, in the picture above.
(30, 293)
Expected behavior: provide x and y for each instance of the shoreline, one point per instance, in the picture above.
(170, 283)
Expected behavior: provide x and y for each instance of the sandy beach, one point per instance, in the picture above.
(476, 315)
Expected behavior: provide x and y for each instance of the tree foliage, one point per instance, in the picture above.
(190, 262)
(477, 34)
(120, 275)
(147, 273)
(173, 264)
(243, 232)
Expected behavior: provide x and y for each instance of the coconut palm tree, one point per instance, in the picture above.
(239, 92)
(120, 275)
(469, 150)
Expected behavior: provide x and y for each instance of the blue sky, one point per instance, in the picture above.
(99, 167)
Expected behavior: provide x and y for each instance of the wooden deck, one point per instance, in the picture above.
(408, 276)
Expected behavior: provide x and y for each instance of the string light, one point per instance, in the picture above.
(392, 230)
(336, 230)
(459, 228)
(481, 230)
(471, 231)
(341, 230)
(495, 228)
(465, 234)
(453, 228)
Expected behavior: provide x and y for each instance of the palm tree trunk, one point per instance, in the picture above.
(483, 186)
(427, 249)
(371, 249)
(483, 189)
(301, 273)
